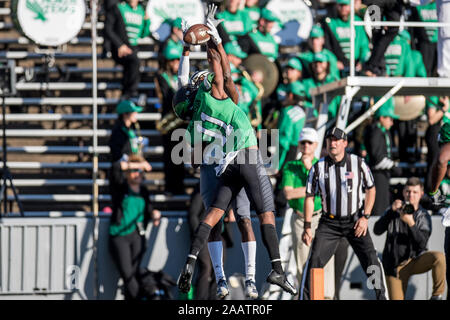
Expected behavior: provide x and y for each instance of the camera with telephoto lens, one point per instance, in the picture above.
(408, 208)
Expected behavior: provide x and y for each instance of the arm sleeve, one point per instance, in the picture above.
(312, 183)
(367, 177)
(183, 71)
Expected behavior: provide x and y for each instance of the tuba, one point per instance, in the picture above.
(254, 114)
(170, 121)
(258, 63)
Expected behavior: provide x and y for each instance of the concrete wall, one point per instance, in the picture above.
(168, 245)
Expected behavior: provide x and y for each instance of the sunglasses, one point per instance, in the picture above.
(135, 170)
(306, 142)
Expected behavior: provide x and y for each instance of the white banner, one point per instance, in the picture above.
(296, 18)
(159, 11)
(49, 22)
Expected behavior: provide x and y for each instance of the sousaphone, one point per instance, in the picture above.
(409, 110)
(260, 63)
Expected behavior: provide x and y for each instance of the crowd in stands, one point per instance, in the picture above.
(324, 57)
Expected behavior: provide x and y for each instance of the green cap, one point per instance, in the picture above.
(175, 23)
(234, 49)
(316, 32)
(320, 57)
(173, 51)
(294, 63)
(386, 110)
(268, 15)
(126, 106)
(296, 88)
(343, 2)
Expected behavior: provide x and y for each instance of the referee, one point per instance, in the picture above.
(341, 179)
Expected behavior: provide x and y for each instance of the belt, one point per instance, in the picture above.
(302, 215)
(333, 217)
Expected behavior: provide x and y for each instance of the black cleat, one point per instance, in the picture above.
(281, 281)
(185, 278)
(437, 199)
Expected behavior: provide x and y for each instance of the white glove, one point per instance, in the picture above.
(184, 27)
(213, 32)
(212, 24)
(212, 8)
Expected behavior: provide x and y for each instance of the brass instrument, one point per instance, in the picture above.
(170, 121)
(259, 62)
(409, 110)
(254, 114)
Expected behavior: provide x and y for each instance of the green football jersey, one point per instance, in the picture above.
(266, 44)
(307, 57)
(135, 23)
(236, 24)
(220, 123)
(428, 13)
(310, 83)
(254, 13)
(341, 30)
(398, 58)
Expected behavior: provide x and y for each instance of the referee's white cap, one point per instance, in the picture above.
(308, 134)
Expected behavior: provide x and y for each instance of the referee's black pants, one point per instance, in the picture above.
(327, 238)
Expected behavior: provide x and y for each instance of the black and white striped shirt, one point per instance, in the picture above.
(340, 184)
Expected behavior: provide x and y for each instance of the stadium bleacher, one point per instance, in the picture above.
(49, 133)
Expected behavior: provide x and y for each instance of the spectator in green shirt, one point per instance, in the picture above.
(254, 11)
(295, 175)
(131, 213)
(175, 37)
(292, 73)
(320, 70)
(337, 37)
(236, 24)
(316, 44)
(425, 38)
(261, 40)
(125, 23)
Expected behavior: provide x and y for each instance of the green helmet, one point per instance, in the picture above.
(183, 102)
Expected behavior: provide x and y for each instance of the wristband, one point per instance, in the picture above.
(307, 225)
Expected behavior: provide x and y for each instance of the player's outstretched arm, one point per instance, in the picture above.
(183, 69)
(217, 89)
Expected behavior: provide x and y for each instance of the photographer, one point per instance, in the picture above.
(408, 228)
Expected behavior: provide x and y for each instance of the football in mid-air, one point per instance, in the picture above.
(197, 34)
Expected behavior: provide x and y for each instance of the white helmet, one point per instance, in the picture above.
(197, 78)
